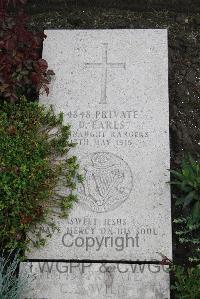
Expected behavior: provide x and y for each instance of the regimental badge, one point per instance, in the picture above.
(108, 182)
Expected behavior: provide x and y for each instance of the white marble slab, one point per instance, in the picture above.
(112, 86)
(96, 281)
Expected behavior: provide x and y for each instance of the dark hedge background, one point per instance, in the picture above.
(176, 5)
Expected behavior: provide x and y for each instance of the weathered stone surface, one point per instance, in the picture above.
(112, 87)
(96, 281)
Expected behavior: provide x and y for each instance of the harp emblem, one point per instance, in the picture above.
(108, 181)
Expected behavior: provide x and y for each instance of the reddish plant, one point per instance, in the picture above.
(22, 71)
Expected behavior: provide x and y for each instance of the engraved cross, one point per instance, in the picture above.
(104, 65)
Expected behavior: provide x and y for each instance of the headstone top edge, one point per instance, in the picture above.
(164, 30)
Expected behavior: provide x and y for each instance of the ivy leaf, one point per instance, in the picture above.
(196, 212)
(189, 198)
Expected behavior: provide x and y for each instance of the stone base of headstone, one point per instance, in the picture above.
(62, 280)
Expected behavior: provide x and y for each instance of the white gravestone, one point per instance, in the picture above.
(112, 86)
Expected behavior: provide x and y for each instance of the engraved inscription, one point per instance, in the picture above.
(104, 65)
(108, 182)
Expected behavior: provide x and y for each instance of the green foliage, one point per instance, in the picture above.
(187, 181)
(34, 167)
(11, 286)
(188, 235)
(187, 282)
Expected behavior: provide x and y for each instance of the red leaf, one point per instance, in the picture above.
(24, 219)
(23, 1)
(43, 65)
(10, 44)
(12, 130)
(46, 88)
(34, 78)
